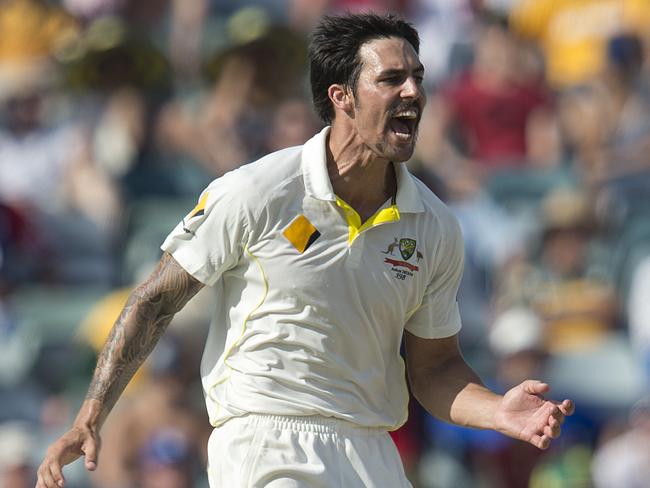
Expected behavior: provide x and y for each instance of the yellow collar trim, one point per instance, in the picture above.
(355, 227)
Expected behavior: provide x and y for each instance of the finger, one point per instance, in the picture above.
(47, 478)
(539, 420)
(535, 387)
(40, 483)
(540, 442)
(90, 451)
(40, 477)
(547, 411)
(559, 416)
(553, 429)
(556, 411)
(567, 407)
(57, 474)
(564, 409)
(548, 432)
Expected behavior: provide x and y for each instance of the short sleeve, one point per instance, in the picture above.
(438, 315)
(210, 238)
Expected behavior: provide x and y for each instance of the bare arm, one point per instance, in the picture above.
(449, 389)
(148, 312)
(442, 381)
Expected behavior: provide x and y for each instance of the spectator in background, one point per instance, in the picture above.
(16, 450)
(118, 86)
(135, 443)
(583, 118)
(627, 103)
(304, 14)
(46, 172)
(638, 314)
(208, 131)
(448, 30)
(573, 33)
(623, 461)
(490, 104)
(32, 30)
(477, 123)
(35, 158)
(19, 248)
(624, 76)
(292, 122)
(517, 339)
(120, 132)
(230, 124)
(188, 19)
(168, 460)
(48, 177)
(607, 119)
(562, 285)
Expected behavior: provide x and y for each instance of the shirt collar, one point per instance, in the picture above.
(314, 167)
(408, 194)
(318, 185)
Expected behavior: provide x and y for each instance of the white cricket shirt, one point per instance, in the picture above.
(311, 305)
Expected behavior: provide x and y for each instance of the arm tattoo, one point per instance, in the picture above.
(146, 315)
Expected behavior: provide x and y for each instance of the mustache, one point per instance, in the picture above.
(403, 106)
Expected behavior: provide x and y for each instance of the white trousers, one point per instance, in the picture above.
(257, 451)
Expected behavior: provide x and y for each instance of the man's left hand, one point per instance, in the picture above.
(524, 414)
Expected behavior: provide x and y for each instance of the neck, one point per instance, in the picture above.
(358, 176)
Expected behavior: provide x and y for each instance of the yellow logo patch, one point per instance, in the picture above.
(192, 220)
(200, 207)
(301, 233)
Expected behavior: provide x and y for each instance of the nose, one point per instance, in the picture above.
(411, 89)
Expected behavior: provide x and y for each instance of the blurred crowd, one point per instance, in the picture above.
(115, 114)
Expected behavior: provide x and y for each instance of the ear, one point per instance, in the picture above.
(341, 98)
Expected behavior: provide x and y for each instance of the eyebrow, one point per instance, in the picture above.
(396, 71)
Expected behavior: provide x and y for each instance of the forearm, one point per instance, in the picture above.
(131, 340)
(453, 392)
(143, 320)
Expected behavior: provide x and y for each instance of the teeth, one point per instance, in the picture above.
(407, 114)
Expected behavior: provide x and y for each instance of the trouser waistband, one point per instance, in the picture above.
(311, 423)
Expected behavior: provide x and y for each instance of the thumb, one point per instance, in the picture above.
(91, 451)
(534, 387)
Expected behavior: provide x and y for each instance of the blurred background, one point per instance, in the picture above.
(115, 114)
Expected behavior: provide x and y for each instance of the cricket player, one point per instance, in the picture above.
(321, 258)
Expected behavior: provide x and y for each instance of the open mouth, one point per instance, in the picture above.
(404, 123)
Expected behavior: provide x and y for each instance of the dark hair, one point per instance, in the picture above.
(334, 51)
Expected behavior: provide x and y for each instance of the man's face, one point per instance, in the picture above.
(389, 98)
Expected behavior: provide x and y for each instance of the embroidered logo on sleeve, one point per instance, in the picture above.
(192, 220)
(301, 233)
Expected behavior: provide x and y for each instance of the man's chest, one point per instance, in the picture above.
(314, 252)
